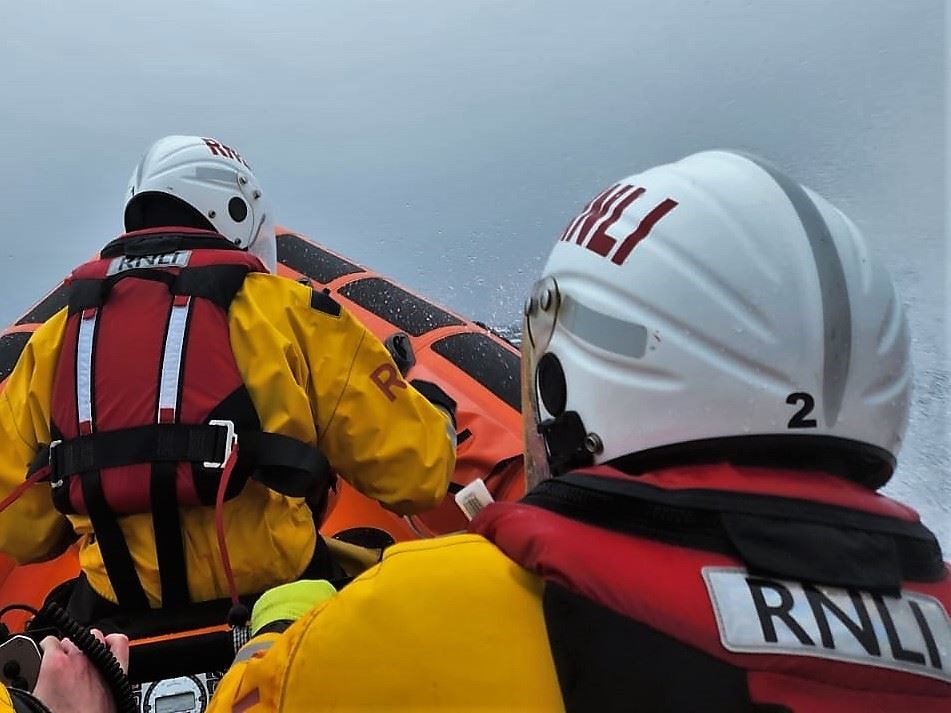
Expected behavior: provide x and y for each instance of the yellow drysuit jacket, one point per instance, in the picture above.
(309, 375)
(461, 611)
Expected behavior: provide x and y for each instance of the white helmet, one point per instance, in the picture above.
(713, 308)
(215, 181)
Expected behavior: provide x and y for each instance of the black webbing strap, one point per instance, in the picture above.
(112, 545)
(40, 460)
(285, 464)
(169, 546)
(282, 463)
(142, 444)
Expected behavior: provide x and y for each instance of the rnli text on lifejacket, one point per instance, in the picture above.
(910, 632)
(179, 258)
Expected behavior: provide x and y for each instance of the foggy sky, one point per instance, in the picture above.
(447, 143)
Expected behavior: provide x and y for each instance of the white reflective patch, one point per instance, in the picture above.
(84, 376)
(179, 258)
(758, 615)
(249, 651)
(172, 361)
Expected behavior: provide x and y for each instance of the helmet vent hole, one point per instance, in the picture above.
(237, 209)
(212, 214)
(552, 388)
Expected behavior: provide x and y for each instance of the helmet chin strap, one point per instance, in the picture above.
(568, 443)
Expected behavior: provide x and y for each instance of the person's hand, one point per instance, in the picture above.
(69, 682)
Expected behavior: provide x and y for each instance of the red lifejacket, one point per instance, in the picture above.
(148, 401)
(719, 588)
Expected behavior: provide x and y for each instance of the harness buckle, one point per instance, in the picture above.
(52, 448)
(231, 440)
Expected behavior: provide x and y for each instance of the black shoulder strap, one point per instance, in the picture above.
(782, 537)
(217, 283)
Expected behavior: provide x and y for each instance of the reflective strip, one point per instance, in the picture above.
(84, 375)
(836, 309)
(172, 362)
(450, 429)
(249, 650)
(602, 330)
(222, 176)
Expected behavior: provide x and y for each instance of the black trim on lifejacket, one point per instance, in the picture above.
(156, 242)
(217, 283)
(608, 662)
(772, 535)
(858, 462)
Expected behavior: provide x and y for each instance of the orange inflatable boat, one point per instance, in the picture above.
(478, 368)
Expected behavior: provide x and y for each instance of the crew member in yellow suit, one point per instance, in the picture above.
(313, 372)
(655, 444)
